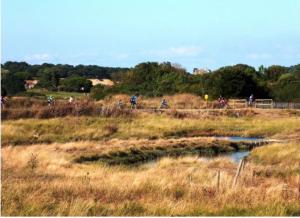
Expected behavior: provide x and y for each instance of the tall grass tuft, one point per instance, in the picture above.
(62, 109)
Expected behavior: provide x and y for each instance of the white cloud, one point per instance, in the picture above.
(180, 51)
(84, 55)
(185, 51)
(39, 58)
(121, 55)
(259, 56)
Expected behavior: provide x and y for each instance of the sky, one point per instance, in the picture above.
(122, 33)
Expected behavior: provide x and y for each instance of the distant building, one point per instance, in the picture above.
(198, 71)
(105, 82)
(29, 84)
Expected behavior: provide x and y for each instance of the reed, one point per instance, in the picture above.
(142, 126)
(182, 186)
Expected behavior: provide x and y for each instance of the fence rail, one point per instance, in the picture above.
(286, 105)
(263, 103)
(237, 103)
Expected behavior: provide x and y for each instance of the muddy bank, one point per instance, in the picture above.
(141, 154)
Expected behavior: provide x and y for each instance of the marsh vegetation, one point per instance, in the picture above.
(87, 165)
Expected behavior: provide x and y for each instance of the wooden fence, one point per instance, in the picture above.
(263, 103)
(237, 103)
(286, 105)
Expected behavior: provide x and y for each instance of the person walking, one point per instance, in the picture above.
(164, 104)
(251, 100)
(133, 101)
(3, 102)
(71, 99)
(50, 100)
(120, 104)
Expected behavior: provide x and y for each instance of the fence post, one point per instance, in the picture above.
(218, 180)
(299, 186)
(238, 172)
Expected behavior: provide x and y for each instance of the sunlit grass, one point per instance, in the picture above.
(184, 186)
(287, 154)
(149, 126)
(56, 95)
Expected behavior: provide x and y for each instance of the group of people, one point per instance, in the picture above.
(223, 102)
(50, 100)
(3, 101)
(133, 103)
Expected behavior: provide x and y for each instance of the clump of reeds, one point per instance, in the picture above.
(177, 114)
(62, 109)
(186, 186)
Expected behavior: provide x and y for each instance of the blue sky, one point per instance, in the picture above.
(193, 33)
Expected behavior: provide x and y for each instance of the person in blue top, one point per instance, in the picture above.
(50, 100)
(133, 101)
(251, 100)
(164, 104)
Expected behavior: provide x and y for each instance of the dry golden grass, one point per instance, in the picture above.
(184, 186)
(43, 179)
(143, 126)
(286, 158)
(178, 101)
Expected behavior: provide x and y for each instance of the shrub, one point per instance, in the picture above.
(178, 193)
(32, 163)
(177, 114)
(75, 84)
(12, 83)
(99, 92)
(111, 129)
(132, 209)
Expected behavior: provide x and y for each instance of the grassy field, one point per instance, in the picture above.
(43, 93)
(149, 126)
(184, 186)
(66, 166)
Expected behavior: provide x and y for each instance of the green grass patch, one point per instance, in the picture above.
(143, 126)
(42, 93)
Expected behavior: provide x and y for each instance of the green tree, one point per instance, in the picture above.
(48, 79)
(238, 81)
(287, 88)
(99, 91)
(75, 84)
(14, 67)
(262, 70)
(153, 79)
(275, 71)
(12, 83)
(24, 75)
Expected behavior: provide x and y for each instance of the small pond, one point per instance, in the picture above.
(235, 156)
(238, 148)
(240, 139)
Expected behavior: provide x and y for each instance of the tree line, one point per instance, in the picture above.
(157, 79)
(59, 77)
